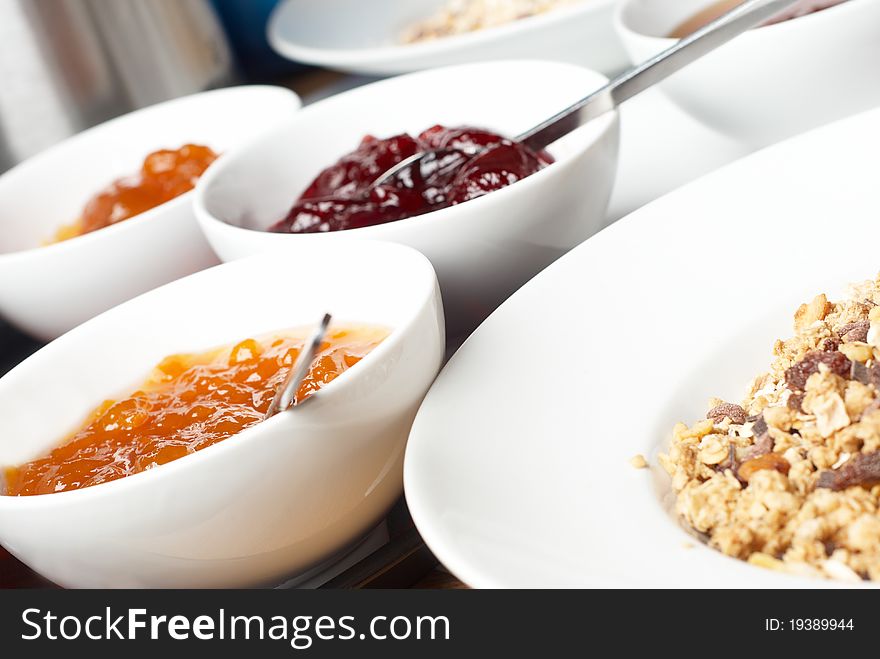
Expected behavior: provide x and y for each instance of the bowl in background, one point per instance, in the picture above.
(46, 290)
(771, 82)
(342, 34)
(261, 505)
(484, 249)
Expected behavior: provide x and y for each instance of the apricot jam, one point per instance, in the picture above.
(190, 401)
(165, 174)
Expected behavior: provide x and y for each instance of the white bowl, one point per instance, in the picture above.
(771, 82)
(518, 470)
(342, 34)
(261, 505)
(46, 290)
(484, 249)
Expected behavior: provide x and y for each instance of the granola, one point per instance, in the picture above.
(461, 16)
(789, 479)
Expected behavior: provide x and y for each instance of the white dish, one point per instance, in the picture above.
(517, 471)
(483, 250)
(360, 37)
(268, 502)
(772, 82)
(46, 290)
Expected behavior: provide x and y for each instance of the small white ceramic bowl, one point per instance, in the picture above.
(771, 82)
(46, 290)
(484, 249)
(351, 36)
(265, 503)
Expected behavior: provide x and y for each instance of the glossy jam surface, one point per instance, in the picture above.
(190, 401)
(340, 197)
(165, 174)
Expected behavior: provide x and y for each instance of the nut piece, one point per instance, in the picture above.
(857, 331)
(638, 461)
(796, 377)
(768, 461)
(873, 336)
(841, 571)
(857, 351)
(830, 411)
(761, 559)
(807, 314)
(733, 412)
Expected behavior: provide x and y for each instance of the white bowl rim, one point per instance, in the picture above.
(40, 159)
(328, 390)
(622, 25)
(604, 123)
(381, 53)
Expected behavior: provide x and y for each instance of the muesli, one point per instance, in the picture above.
(462, 16)
(789, 479)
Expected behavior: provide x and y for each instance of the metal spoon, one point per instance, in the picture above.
(286, 392)
(623, 87)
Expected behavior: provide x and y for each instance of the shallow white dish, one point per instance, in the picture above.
(772, 82)
(483, 250)
(363, 37)
(268, 502)
(517, 471)
(46, 290)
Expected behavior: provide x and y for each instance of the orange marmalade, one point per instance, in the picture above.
(165, 174)
(190, 401)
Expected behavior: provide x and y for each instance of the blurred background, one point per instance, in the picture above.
(70, 64)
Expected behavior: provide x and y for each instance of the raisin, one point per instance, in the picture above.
(795, 402)
(874, 374)
(760, 427)
(733, 412)
(796, 377)
(767, 461)
(859, 372)
(830, 344)
(863, 469)
(866, 374)
(857, 331)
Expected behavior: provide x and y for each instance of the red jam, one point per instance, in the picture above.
(340, 197)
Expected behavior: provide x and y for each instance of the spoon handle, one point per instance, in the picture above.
(649, 73)
(286, 393)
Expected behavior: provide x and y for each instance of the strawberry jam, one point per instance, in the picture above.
(164, 175)
(341, 197)
(190, 401)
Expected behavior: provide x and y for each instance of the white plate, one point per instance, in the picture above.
(517, 471)
(363, 37)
